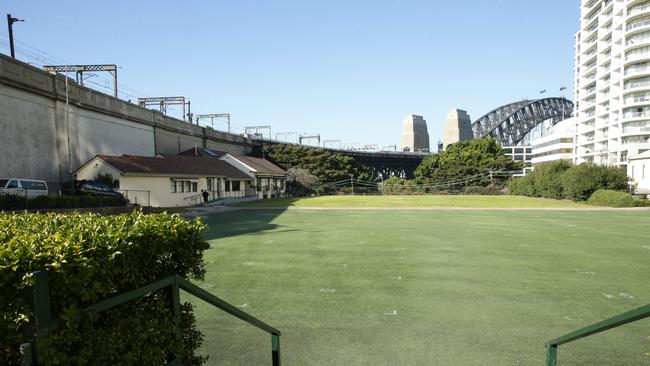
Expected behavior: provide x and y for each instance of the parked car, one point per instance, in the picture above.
(22, 187)
(90, 187)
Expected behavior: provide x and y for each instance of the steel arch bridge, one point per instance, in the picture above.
(510, 123)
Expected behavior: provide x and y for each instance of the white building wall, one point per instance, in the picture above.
(558, 144)
(612, 81)
(639, 171)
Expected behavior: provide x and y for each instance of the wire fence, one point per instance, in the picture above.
(483, 183)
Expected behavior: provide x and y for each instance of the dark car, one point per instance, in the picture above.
(90, 187)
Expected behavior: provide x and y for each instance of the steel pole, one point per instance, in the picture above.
(11, 35)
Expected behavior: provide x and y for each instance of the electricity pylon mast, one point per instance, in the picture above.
(80, 69)
(257, 129)
(214, 116)
(309, 137)
(163, 102)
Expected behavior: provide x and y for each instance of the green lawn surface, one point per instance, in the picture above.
(423, 201)
(426, 287)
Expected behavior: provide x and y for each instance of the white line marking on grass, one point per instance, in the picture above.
(244, 305)
(268, 242)
(585, 272)
(392, 313)
(571, 225)
(523, 280)
(573, 320)
(249, 263)
(626, 295)
(328, 290)
(399, 278)
(206, 285)
(609, 296)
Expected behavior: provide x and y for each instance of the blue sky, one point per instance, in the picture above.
(349, 70)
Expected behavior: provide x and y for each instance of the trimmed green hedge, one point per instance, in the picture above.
(563, 180)
(604, 197)
(14, 203)
(90, 258)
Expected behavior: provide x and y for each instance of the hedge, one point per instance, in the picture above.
(90, 258)
(563, 180)
(13, 202)
(605, 197)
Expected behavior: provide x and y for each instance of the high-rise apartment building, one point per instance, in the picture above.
(612, 81)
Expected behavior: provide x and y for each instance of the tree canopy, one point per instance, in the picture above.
(327, 166)
(463, 160)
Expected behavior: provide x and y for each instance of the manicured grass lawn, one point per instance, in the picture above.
(415, 202)
(426, 287)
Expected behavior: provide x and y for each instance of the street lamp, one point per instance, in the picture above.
(10, 25)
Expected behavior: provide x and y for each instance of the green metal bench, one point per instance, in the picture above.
(617, 321)
(46, 324)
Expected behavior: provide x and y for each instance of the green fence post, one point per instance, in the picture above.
(42, 312)
(551, 355)
(176, 310)
(275, 349)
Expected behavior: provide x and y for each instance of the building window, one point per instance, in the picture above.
(209, 184)
(236, 185)
(227, 186)
(184, 186)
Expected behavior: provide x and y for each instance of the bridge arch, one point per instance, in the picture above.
(509, 124)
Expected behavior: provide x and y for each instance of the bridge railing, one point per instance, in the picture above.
(617, 321)
(46, 324)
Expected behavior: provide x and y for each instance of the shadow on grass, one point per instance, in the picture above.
(241, 222)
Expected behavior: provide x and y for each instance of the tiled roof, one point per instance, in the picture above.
(262, 166)
(174, 165)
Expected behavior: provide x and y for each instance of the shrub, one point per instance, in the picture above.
(605, 197)
(642, 203)
(89, 258)
(13, 202)
(560, 179)
(581, 181)
(544, 181)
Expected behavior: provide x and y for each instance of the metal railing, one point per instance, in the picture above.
(617, 321)
(214, 196)
(45, 323)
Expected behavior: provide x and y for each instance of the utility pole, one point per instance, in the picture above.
(10, 25)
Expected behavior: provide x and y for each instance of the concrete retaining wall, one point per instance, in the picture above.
(45, 137)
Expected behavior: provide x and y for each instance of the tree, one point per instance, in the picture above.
(327, 166)
(465, 160)
(301, 182)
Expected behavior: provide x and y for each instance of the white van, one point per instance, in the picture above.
(22, 187)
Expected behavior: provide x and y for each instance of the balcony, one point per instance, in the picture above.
(638, 10)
